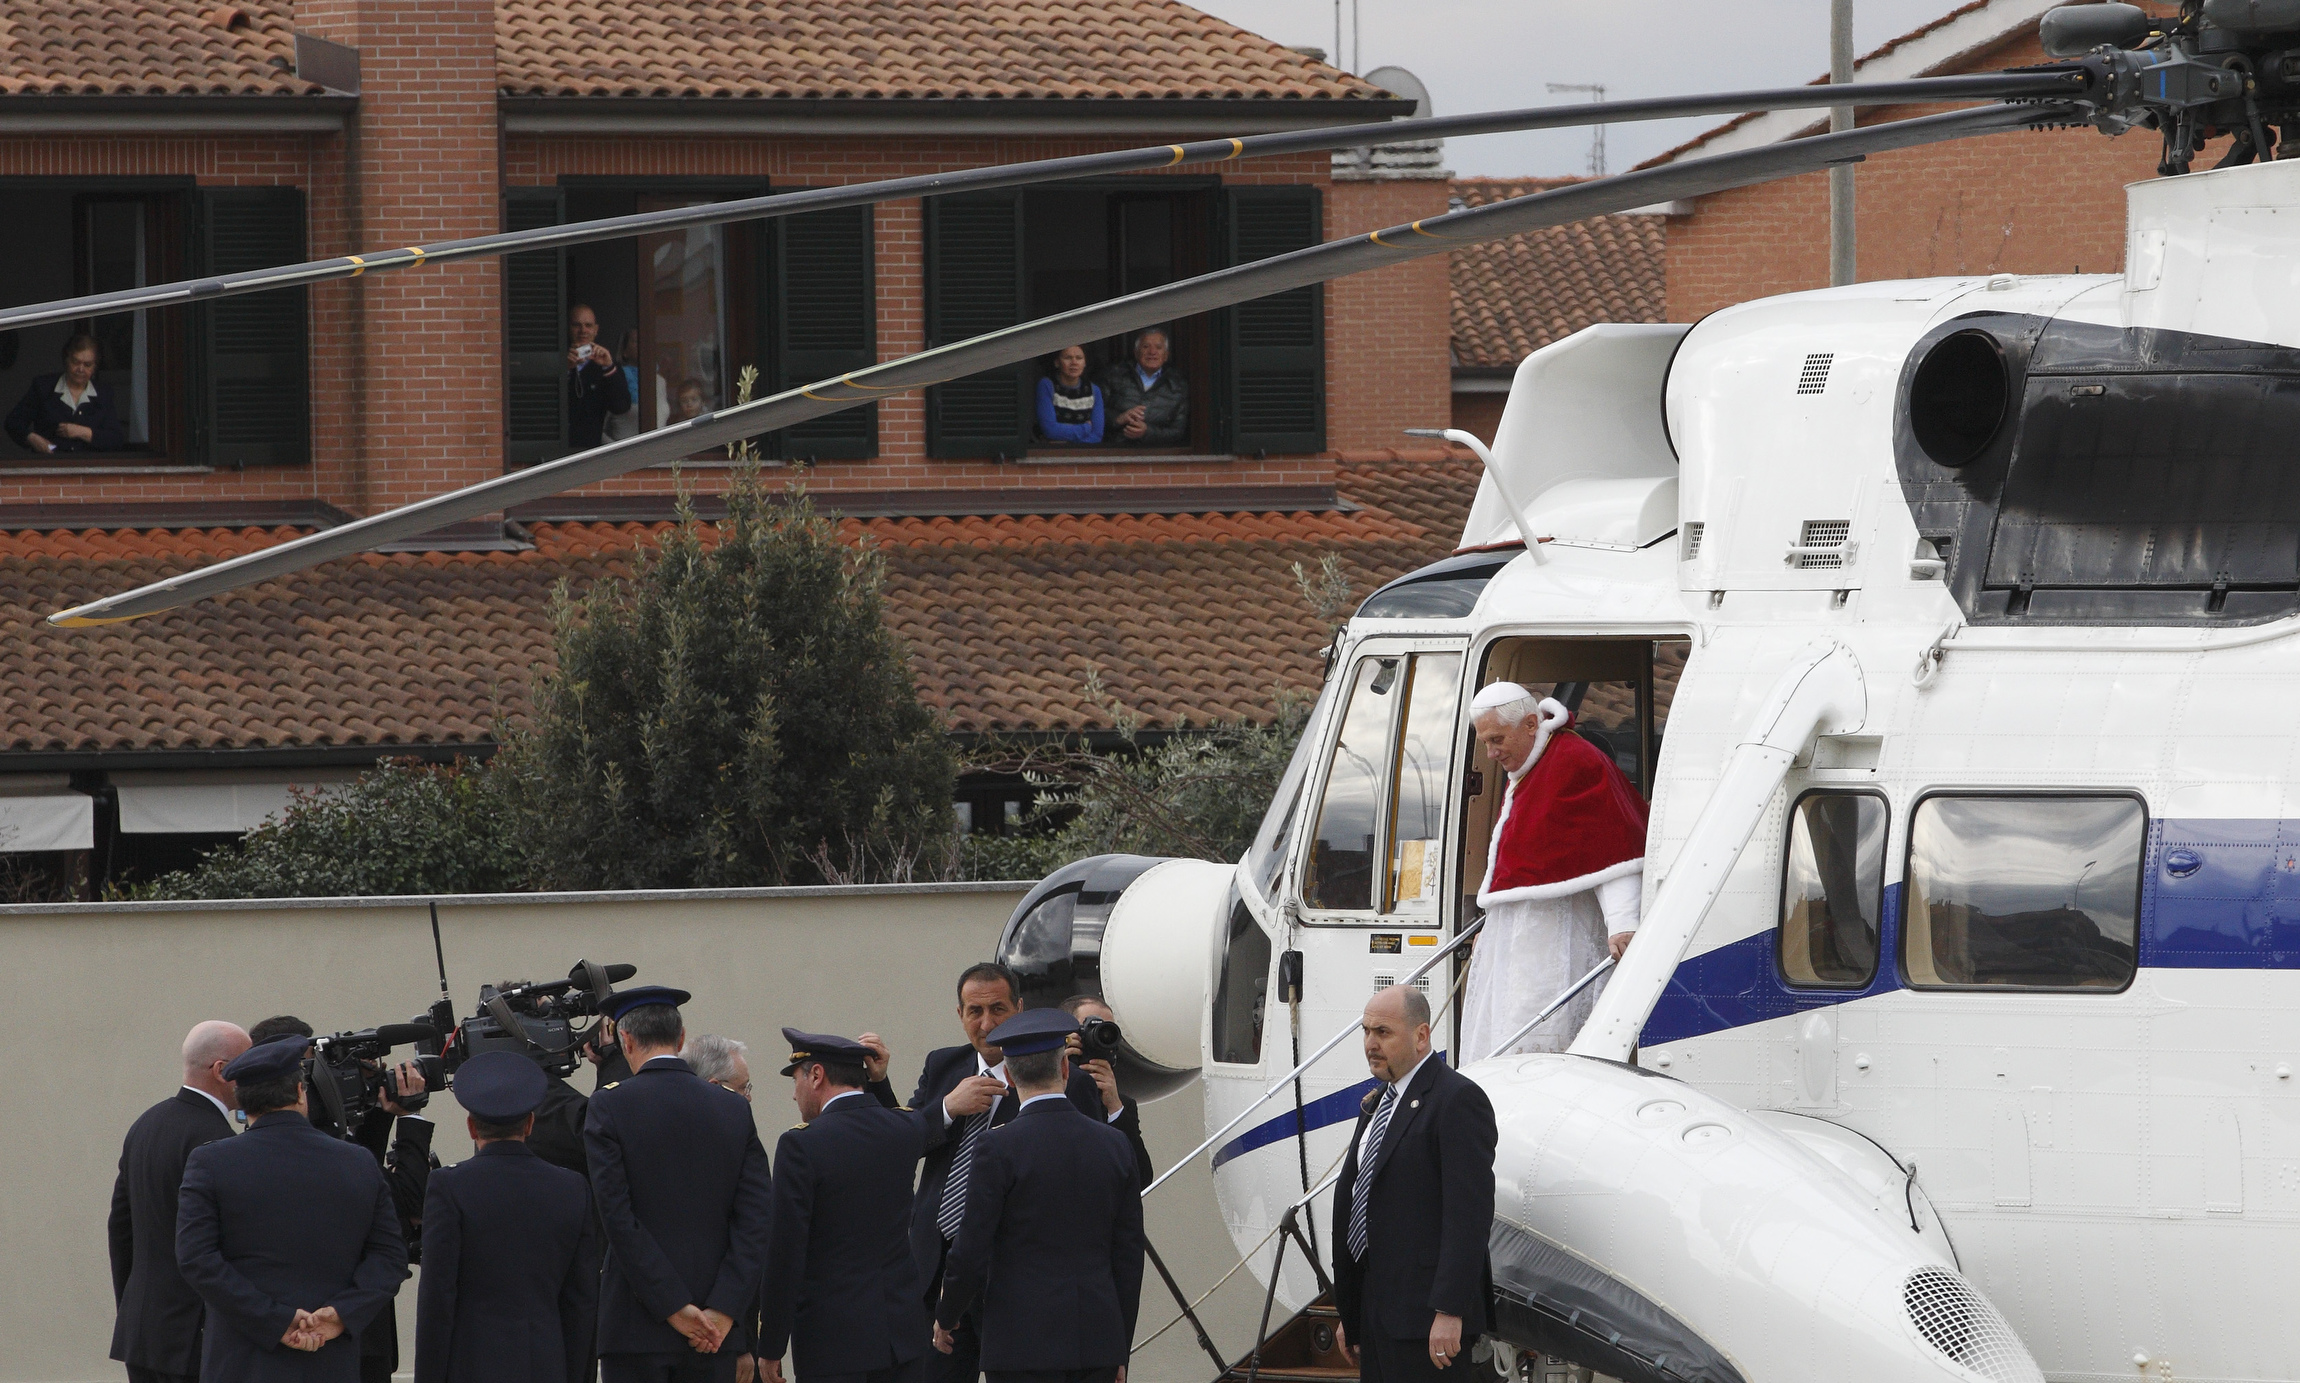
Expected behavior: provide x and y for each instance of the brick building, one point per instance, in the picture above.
(162, 139)
(2035, 202)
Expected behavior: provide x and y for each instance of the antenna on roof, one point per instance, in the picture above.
(1595, 92)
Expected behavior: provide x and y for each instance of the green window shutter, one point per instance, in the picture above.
(824, 313)
(974, 284)
(251, 370)
(534, 335)
(1274, 348)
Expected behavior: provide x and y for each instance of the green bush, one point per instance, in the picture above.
(737, 713)
(404, 827)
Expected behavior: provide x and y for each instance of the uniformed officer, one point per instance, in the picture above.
(288, 1235)
(682, 1186)
(842, 1287)
(510, 1259)
(1055, 1204)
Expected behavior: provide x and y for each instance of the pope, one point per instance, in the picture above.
(1564, 874)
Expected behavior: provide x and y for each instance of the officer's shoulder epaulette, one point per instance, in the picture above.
(799, 1125)
(611, 1085)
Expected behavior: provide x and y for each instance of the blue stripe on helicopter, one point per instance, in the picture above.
(2234, 904)
(1317, 1114)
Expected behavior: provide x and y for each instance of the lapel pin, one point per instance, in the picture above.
(1414, 1104)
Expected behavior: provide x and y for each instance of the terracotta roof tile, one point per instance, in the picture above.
(1511, 297)
(1188, 617)
(898, 49)
(148, 48)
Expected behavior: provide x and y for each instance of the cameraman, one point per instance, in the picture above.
(558, 1135)
(400, 1139)
(1118, 1111)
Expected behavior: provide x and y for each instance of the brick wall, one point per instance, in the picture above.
(2032, 202)
(1478, 414)
(1388, 366)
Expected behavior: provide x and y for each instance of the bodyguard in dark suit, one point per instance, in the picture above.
(842, 1290)
(964, 1084)
(1056, 1208)
(1414, 1204)
(510, 1282)
(682, 1186)
(157, 1332)
(287, 1234)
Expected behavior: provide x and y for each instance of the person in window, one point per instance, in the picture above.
(65, 412)
(595, 388)
(692, 397)
(1069, 409)
(1149, 404)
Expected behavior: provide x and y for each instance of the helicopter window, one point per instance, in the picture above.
(1832, 890)
(1424, 765)
(1341, 872)
(1242, 988)
(1267, 856)
(2024, 892)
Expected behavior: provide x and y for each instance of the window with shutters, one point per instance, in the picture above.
(1253, 376)
(251, 364)
(62, 238)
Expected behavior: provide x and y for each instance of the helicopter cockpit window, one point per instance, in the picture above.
(1266, 857)
(2023, 892)
(1241, 991)
(1385, 792)
(1833, 890)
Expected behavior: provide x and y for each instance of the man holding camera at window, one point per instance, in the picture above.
(399, 1138)
(288, 1235)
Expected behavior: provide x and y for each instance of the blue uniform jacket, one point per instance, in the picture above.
(943, 1069)
(682, 1186)
(280, 1219)
(510, 1286)
(1052, 1242)
(842, 1288)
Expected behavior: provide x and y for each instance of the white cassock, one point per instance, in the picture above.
(1541, 937)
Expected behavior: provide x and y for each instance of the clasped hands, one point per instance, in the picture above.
(705, 1330)
(313, 1329)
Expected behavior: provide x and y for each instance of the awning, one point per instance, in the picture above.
(38, 811)
(209, 803)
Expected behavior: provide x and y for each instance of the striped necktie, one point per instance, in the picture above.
(1367, 1157)
(953, 1212)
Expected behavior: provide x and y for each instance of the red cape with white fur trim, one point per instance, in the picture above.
(1571, 823)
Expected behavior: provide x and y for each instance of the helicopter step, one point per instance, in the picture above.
(1305, 1349)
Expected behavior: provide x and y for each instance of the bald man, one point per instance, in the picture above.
(157, 1332)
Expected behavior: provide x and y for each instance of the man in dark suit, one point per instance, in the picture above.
(288, 1235)
(510, 1282)
(157, 1331)
(1414, 1204)
(1056, 1205)
(595, 387)
(965, 1084)
(682, 1186)
(842, 1289)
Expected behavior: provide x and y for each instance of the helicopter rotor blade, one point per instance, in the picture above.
(1980, 87)
(1222, 288)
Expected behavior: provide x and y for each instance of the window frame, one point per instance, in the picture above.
(1781, 900)
(1908, 851)
(1218, 991)
(1306, 828)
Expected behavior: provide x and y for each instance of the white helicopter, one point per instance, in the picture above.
(1947, 626)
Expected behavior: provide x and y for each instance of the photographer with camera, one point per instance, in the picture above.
(1090, 1049)
(287, 1234)
(399, 1137)
(510, 1289)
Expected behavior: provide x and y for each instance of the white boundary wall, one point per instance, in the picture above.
(101, 995)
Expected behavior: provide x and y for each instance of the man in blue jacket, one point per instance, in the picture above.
(682, 1186)
(288, 1235)
(842, 1289)
(1056, 1205)
(510, 1258)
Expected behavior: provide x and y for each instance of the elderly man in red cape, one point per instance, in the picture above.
(1564, 875)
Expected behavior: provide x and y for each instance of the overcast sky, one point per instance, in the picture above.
(1498, 54)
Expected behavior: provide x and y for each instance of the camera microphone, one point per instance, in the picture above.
(400, 1034)
(616, 974)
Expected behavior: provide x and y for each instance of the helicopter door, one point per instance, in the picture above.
(1376, 850)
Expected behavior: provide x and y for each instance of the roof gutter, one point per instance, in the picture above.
(1158, 117)
(174, 114)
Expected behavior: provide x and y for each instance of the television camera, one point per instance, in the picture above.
(537, 1019)
(348, 1073)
